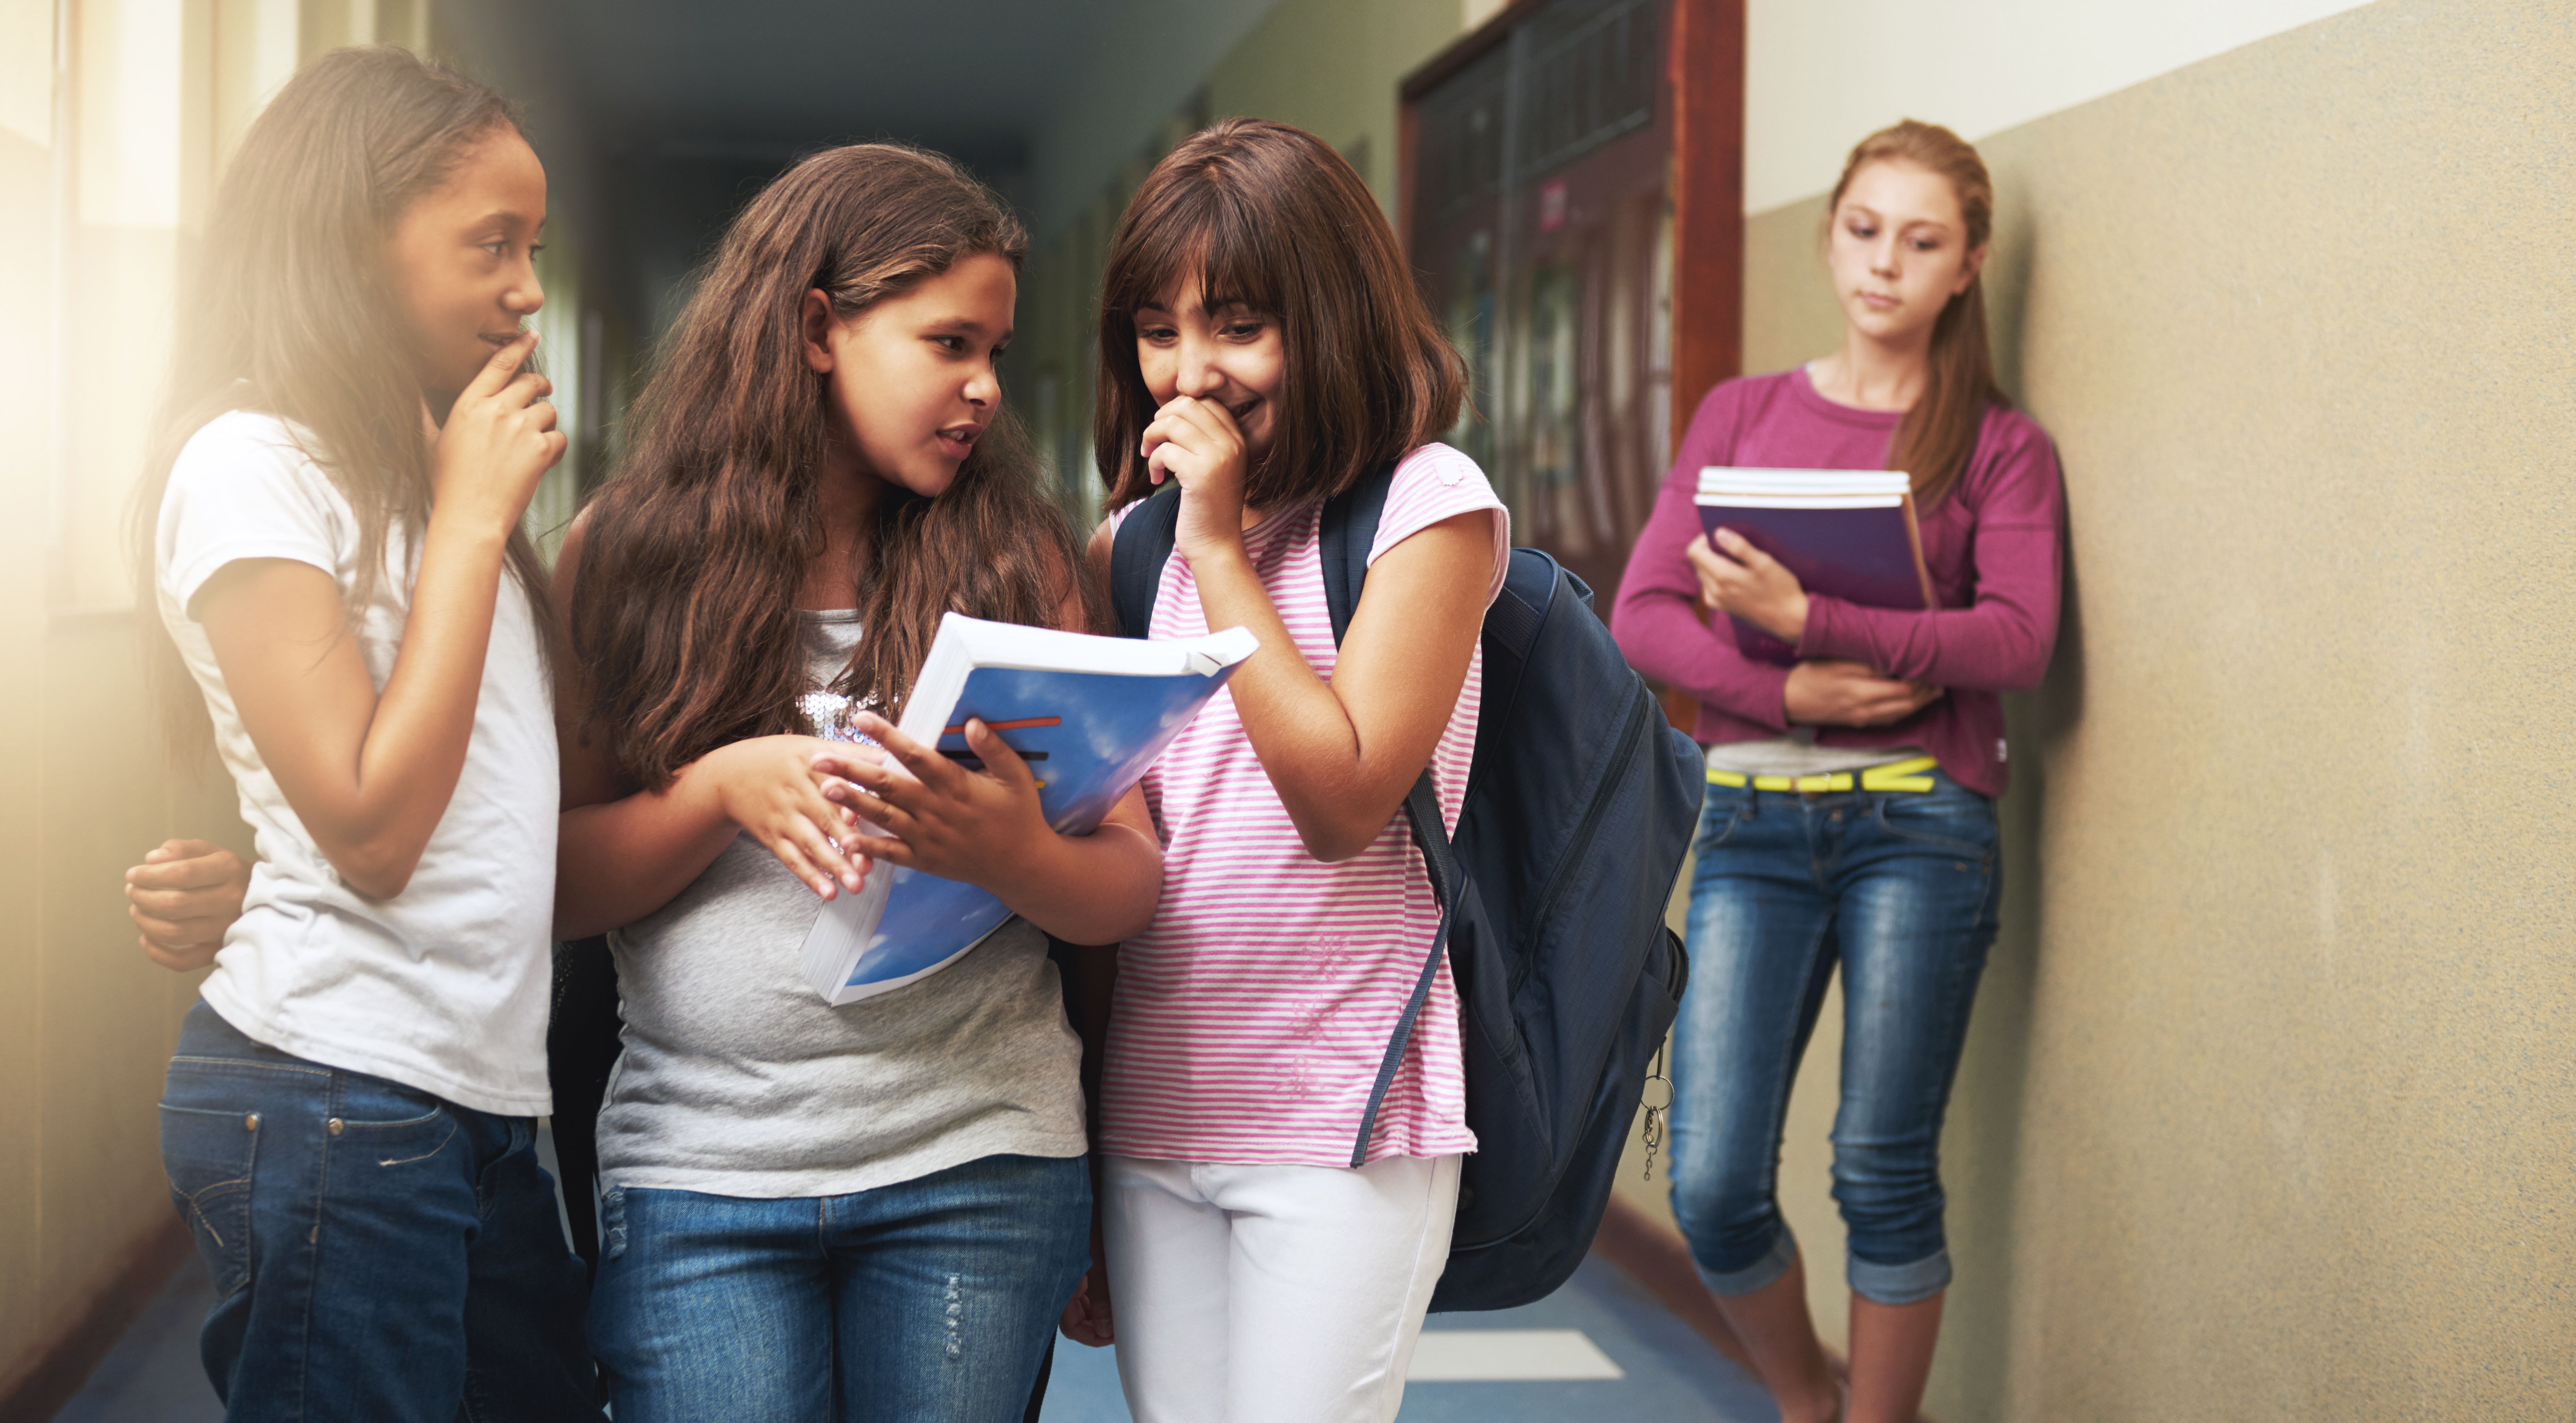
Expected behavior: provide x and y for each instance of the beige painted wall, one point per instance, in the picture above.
(1820, 73)
(2269, 1109)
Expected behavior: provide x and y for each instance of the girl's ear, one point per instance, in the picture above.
(1968, 271)
(814, 320)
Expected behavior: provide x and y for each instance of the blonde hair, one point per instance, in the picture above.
(1937, 437)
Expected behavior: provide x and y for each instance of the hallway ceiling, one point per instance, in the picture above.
(658, 119)
(760, 80)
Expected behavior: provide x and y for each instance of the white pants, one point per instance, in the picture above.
(1272, 1294)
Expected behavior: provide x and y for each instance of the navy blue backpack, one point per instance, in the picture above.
(1579, 808)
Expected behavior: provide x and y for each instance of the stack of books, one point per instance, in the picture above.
(1845, 533)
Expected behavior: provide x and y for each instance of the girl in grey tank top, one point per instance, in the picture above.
(877, 1210)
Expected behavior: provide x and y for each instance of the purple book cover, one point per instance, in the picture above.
(1864, 556)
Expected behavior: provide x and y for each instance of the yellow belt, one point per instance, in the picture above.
(1899, 776)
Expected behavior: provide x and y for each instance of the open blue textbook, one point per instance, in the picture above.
(1088, 713)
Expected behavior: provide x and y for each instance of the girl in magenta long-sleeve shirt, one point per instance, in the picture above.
(1991, 546)
(1850, 817)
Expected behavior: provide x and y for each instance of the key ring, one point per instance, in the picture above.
(1658, 1115)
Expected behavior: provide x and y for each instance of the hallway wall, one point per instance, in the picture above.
(2270, 1109)
(106, 168)
(87, 1021)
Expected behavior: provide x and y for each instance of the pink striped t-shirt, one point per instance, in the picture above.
(1251, 1017)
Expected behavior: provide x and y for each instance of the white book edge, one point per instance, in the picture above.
(1742, 475)
(1888, 486)
(1799, 501)
(846, 922)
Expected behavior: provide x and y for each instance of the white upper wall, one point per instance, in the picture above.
(1820, 74)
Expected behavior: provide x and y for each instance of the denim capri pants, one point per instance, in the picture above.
(1899, 887)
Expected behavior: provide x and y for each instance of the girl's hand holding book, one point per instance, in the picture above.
(1739, 579)
(766, 786)
(499, 437)
(1827, 692)
(975, 827)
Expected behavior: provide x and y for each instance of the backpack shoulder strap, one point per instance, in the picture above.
(1342, 544)
(1136, 557)
(1349, 527)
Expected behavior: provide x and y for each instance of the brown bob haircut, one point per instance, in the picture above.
(1274, 220)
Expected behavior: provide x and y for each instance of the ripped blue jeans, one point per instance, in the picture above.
(931, 1298)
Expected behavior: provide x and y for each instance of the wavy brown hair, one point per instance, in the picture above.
(684, 603)
(1272, 217)
(290, 309)
(1936, 438)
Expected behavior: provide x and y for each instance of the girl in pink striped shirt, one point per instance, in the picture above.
(1262, 343)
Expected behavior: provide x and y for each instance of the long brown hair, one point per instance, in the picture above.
(1273, 218)
(290, 309)
(1936, 438)
(684, 605)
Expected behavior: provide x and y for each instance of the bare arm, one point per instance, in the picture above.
(622, 853)
(1340, 754)
(370, 776)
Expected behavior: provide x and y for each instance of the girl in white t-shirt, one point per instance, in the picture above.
(331, 536)
(1262, 343)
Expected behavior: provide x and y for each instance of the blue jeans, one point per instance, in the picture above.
(932, 1298)
(379, 1254)
(1900, 888)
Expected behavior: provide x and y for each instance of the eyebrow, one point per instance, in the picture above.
(1866, 210)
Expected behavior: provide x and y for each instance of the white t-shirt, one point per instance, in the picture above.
(444, 987)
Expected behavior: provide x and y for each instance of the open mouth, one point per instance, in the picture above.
(958, 441)
(1239, 412)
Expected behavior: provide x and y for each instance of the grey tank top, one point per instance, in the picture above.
(738, 1080)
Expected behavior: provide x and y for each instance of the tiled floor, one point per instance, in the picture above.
(1668, 1374)
(1601, 1323)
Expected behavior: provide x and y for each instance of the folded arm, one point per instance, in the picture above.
(2001, 641)
(1656, 618)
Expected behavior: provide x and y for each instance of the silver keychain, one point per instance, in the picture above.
(1657, 1114)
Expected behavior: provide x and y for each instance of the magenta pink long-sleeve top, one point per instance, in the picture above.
(1991, 545)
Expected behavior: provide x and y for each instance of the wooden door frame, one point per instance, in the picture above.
(1704, 81)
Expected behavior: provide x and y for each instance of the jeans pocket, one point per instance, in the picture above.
(1950, 820)
(390, 1124)
(211, 1156)
(1719, 819)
